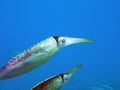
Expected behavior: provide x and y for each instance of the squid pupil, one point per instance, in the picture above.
(63, 41)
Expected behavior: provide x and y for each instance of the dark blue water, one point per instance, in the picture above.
(24, 23)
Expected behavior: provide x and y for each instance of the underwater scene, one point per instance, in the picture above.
(60, 45)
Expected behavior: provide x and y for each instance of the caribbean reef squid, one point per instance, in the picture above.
(57, 81)
(36, 55)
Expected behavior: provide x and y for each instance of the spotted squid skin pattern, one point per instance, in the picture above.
(26, 54)
(18, 59)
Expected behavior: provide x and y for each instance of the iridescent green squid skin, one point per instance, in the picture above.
(56, 82)
(40, 53)
(36, 56)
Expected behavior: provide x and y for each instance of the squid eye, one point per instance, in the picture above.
(66, 78)
(63, 40)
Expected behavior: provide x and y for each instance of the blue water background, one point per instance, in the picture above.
(24, 23)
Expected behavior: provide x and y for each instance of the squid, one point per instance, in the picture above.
(55, 82)
(36, 56)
